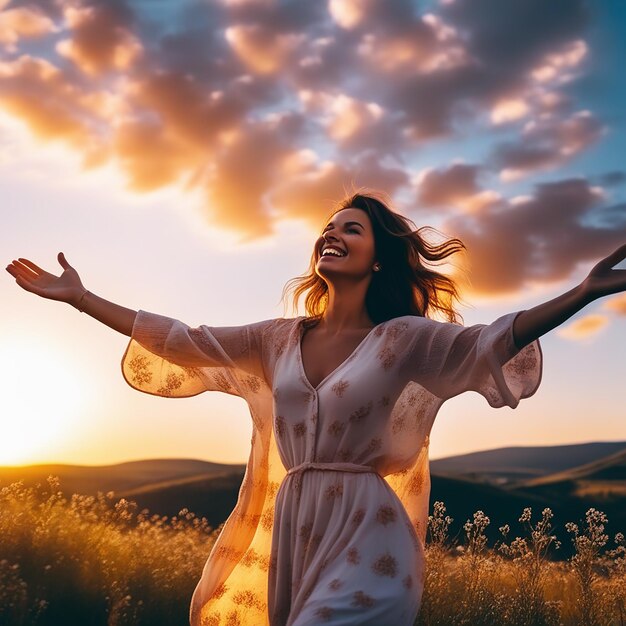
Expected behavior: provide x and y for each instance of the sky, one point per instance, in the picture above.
(185, 155)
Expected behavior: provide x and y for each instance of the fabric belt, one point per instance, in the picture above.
(335, 467)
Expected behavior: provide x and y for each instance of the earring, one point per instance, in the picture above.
(377, 267)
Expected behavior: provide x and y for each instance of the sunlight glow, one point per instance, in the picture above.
(44, 396)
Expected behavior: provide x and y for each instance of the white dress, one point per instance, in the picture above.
(330, 522)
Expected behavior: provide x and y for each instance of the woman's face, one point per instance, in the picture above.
(350, 231)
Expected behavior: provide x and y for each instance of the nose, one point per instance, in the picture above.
(326, 239)
(328, 236)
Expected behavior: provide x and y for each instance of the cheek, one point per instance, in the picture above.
(317, 249)
(363, 249)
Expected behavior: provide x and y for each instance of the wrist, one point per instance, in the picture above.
(585, 294)
(79, 301)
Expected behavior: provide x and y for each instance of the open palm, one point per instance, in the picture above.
(36, 280)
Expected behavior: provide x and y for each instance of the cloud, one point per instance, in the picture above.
(518, 33)
(38, 93)
(151, 155)
(241, 173)
(546, 144)
(503, 43)
(101, 39)
(616, 304)
(352, 125)
(23, 22)
(589, 325)
(261, 49)
(560, 66)
(509, 110)
(454, 188)
(350, 13)
(310, 193)
(583, 328)
(423, 47)
(541, 238)
(422, 65)
(447, 186)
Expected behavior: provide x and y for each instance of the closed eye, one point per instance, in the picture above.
(351, 229)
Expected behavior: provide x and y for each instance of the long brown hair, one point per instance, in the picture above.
(406, 285)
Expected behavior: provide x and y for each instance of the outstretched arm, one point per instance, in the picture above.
(601, 281)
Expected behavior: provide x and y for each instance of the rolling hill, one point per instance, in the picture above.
(510, 465)
(502, 482)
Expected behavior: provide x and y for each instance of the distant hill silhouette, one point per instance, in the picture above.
(568, 479)
(517, 463)
(164, 486)
(611, 468)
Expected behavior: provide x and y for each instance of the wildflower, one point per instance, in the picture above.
(526, 515)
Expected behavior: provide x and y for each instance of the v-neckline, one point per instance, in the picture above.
(348, 358)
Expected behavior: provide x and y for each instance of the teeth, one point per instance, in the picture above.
(332, 251)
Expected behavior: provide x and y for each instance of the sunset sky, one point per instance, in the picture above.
(184, 156)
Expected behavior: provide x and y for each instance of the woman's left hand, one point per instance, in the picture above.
(603, 280)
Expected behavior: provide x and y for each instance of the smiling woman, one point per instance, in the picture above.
(35, 422)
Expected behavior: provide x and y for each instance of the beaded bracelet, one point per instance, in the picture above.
(81, 299)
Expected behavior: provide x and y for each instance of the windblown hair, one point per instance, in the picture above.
(406, 284)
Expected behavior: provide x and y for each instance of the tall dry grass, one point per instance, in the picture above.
(95, 560)
(99, 561)
(516, 583)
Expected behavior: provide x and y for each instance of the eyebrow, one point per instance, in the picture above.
(346, 224)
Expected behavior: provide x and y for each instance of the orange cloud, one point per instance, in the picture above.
(344, 118)
(349, 13)
(426, 46)
(262, 50)
(38, 93)
(150, 155)
(584, 327)
(616, 304)
(311, 193)
(241, 173)
(22, 22)
(194, 115)
(559, 66)
(100, 39)
(509, 110)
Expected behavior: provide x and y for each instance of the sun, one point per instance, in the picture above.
(42, 398)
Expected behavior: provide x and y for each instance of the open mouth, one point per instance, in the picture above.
(331, 253)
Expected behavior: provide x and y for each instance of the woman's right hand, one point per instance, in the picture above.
(66, 288)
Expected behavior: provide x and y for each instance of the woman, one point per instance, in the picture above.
(331, 518)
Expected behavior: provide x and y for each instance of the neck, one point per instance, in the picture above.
(346, 310)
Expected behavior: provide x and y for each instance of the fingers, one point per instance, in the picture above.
(24, 270)
(63, 261)
(30, 264)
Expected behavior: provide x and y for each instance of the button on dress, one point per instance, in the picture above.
(330, 522)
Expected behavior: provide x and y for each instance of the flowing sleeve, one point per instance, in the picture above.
(166, 357)
(448, 359)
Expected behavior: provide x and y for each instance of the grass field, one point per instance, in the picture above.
(100, 561)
